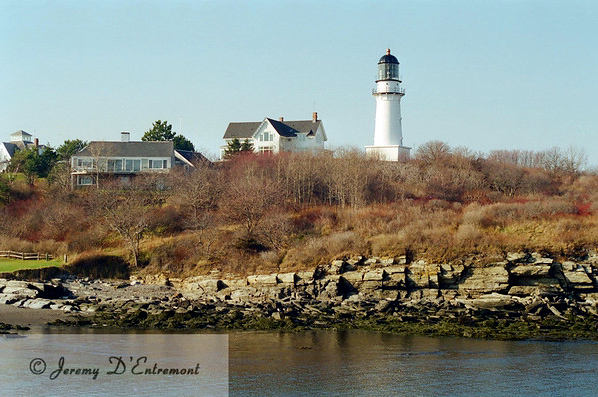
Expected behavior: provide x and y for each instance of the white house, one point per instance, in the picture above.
(18, 140)
(274, 136)
(123, 159)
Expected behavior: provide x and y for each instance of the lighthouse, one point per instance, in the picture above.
(388, 133)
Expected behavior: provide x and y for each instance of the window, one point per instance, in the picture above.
(158, 164)
(85, 163)
(85, 180)
(132, 165)
(266, 137)
(115, 165)
(266, 150)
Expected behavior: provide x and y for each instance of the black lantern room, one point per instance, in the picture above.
(388, 67)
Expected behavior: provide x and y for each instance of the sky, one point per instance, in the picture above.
(486, 74)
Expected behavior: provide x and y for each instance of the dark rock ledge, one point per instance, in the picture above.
(525, 295)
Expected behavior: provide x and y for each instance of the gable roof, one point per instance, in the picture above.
(283, 129)
(305, 126)
(128, 149)
(242, 130)
(11, 148)
(190, 156)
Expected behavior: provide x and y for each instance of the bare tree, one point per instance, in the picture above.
(197, 194)
(247, 200)
(125, 212)
(433, 151)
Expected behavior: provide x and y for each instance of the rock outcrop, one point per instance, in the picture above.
(521, 287)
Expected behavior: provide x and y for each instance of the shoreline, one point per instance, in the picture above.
(524, 297)
(24, 320)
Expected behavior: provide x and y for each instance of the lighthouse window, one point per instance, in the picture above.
(388, 71)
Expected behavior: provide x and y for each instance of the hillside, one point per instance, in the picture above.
(292, 212)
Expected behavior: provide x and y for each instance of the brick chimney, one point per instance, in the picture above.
(36, 142)
(314, 116)
(281, 119)
(125, 136)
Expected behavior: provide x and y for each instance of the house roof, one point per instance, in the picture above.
(128, 149)
(245, 130)
(190, 156)
(283, 129)
(11, 148)
(20, 133)
(305, 126)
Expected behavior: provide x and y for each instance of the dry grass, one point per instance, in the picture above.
(315, 209)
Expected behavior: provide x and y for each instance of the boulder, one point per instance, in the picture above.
(242, 294)
(539, 259)
(277, 316)
(38, 303)
(535, 270)
(286, 278)
(8, 299)
(374, 275)
(335, 267)
(395, 269)
(517, 257)
(262, 279)
(483, 280)
(449, 276)
(576, 274)
(21, 291)
(395, 281)
(207, 286)
(235, 282)
(305, 278)
(18, 284)
(387, 261)
(422, 275)
(489, 301)
(354, 278)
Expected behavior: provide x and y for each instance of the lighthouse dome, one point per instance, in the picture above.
(388, 59)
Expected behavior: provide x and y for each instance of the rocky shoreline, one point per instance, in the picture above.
(522, 296)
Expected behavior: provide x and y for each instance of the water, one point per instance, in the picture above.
(323, 363)
(358, 363)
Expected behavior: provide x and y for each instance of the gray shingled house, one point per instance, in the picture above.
(124, 159)
(274, 136)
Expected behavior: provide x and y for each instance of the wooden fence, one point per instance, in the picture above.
(26, 256)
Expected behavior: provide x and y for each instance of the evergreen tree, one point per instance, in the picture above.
(33, 164)
(69, 148)
(235, 146)
(162, 131)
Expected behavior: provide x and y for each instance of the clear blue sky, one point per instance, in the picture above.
(483, 74)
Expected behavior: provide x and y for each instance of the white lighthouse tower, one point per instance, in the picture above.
(388, 134)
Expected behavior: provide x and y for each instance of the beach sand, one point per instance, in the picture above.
(31, 317)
